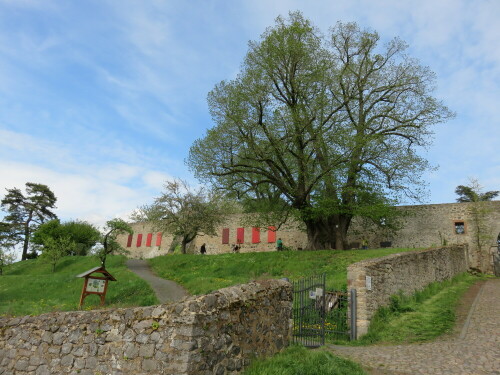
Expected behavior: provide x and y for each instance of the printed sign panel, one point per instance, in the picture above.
(96, 285)
(368, 283)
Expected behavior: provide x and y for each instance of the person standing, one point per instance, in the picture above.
(203, 249)
(279, 244)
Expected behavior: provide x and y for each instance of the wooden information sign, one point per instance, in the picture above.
(95, 284)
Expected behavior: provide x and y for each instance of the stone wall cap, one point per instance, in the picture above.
(367, 262)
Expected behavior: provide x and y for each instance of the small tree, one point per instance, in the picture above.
(25, 212)
(56, 248)
(472, 192)
(83, 234)
(6, 246)
(6, 257)
(109, 244)
(185, 212)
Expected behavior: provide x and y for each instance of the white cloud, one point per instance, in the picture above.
(86, 189)
(155, 180)
(96, 197)
(107, 107)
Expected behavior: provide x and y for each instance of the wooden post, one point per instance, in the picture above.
(95, 287)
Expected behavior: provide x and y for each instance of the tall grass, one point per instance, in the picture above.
(297, 360)
(30, 288)
(422, 316)
(205, 273)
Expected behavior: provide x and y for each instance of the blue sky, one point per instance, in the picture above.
(101, 100)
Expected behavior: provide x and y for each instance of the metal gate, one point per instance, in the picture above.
(319, 315)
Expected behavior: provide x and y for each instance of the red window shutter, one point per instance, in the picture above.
(139, 240)
(158, 239)
(129, 240)
(240, 235)
(225, 235)
(149, 239)
(255, 235)
(271, 234)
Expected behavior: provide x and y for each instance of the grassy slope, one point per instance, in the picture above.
(421, 317)
(29, 287)
(203, 274)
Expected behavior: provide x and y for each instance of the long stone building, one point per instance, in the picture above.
(423, 226)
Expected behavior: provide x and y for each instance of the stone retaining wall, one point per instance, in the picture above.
(375, 280)
(213, 334)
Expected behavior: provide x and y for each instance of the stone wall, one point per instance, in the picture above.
(434, 225)
(290, 233)
(375, 280)
(143, 250)
(213, 334)
(423, 226)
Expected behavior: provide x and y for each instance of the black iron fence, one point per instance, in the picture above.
(320, 315)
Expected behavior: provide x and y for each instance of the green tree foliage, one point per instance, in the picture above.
(84, 235)
(6, 258)
(185, 211)
(6, 246)
(108, 240)
(325, 128)
(8, 237)
(54, 248)
(27, 211)
(472, 193)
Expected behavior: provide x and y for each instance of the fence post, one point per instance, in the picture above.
(354, 307)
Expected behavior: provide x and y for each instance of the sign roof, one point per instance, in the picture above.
(102, 270)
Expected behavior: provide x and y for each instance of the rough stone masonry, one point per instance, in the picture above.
(376, 280)
(216, 333)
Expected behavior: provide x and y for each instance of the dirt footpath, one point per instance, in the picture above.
(165, 290)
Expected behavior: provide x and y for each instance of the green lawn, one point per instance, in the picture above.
(201, 274)
(30, 288)
(297, 360)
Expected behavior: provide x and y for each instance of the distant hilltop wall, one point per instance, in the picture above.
(423, 226)
(436, 225)
(147, 243)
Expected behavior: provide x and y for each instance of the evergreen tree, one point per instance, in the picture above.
(26, 212)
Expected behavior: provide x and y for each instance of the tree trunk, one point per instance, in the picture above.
(327, 233)
(184, 243)
(319, 234)
(26, 241)
(341, 228)
(103, 260)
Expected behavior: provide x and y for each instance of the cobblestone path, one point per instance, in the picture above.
(476, 351)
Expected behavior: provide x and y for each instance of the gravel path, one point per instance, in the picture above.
(475, 351)
(165, 290)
